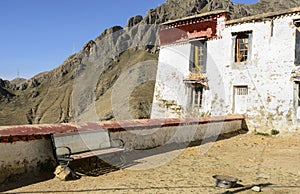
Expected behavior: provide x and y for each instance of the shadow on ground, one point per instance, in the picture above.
(238, 189)
(18, 181)
(96, 167)
(88, 167)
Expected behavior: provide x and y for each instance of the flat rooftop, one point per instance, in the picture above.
(264, 16)
(216, 12)
(259, 17)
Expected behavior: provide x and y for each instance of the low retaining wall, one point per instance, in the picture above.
(28, 148)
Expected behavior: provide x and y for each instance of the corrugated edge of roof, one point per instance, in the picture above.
(196, 16)
(263, 16)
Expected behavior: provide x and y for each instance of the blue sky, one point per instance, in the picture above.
(38, 35)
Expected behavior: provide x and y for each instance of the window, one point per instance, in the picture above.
(197, 96)
(297, 23)
(297, 94)
(198, 57)
(297, 98)
(241, 46)
(297, 47)
(241, 90)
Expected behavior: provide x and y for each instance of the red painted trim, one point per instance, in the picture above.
(206, 29)
(190, 28)
(28, 132)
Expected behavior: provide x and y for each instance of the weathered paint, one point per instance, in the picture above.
(25, 157)
(272, 92)
(31, 155)
(202, 25)
(169, 84)
(267, 74)
(184, 133)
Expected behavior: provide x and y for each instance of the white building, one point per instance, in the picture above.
(211, 65)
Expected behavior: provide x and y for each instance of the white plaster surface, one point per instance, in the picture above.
(176, 137)
(270, 103)
(173, 68)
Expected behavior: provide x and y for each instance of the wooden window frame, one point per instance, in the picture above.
(297, 94)
(242, 46)
(198, 56)
(196, 96)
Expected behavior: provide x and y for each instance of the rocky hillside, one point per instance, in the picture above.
(113, 76)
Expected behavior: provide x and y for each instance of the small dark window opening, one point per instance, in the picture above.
(298, 94)
(241, 90)
(297, 47)
(297, 22)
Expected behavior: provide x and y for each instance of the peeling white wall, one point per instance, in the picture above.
(24, 157)
(170, 95)
(267, 74)
(270, 101)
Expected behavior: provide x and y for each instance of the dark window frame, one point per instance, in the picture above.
(241, 90)
(296, 22)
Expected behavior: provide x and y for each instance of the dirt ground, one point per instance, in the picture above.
(271, 162)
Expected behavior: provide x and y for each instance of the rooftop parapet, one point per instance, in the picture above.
(264, 16)
(201, 26)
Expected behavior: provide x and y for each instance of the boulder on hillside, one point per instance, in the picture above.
(134, 21)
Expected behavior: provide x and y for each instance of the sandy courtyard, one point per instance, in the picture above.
(272, 162)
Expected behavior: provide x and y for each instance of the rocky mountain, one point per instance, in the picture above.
(113, 76)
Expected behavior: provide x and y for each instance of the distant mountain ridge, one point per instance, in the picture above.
(49, 97)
